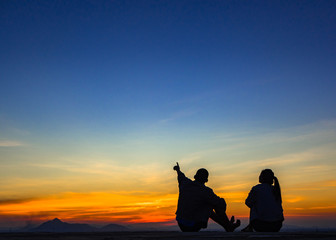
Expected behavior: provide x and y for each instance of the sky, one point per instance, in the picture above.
(100, 99)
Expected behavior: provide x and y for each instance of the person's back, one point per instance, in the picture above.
(264, 200)
(264, 205)
(196, 201)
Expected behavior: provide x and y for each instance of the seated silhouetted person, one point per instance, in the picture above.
(264, 201)
(197, 203)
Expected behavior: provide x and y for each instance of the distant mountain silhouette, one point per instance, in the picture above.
(57, 225)
(114, 228)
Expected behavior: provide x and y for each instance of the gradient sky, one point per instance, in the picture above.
(99, 99)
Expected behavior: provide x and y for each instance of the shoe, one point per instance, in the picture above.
(236, 224)
(233, 224)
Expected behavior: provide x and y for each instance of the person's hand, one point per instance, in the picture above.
(177, 167)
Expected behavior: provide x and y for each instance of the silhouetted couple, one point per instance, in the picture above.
(197, 203)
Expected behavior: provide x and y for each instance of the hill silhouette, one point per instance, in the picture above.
(113, 228)
(56, 225)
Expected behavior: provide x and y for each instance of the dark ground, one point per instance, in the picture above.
(170, 235)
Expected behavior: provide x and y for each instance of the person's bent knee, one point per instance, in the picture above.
(221, 209)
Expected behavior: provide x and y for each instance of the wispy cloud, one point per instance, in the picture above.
(97, 175)
(190, 159)
(331, 183)
(324, 207)
(7, 143)
(15, 201)
(294, 199)
(98, 206)
(178, 115)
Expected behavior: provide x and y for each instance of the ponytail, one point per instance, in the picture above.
(267, 176)
(277, 190)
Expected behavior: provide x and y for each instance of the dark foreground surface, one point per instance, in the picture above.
(169, 235)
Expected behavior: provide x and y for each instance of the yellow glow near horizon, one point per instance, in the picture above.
(103, 189)
(139, 207)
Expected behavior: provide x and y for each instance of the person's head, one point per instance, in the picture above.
(266, 176)
(202, 175)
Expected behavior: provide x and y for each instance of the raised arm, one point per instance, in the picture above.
(180, 175)
(177, 167)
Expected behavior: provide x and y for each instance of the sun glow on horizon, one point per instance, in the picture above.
(94, 207)
(148, 193)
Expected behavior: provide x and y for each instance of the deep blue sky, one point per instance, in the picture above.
(68, 64)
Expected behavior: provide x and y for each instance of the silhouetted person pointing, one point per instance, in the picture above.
(197, 203)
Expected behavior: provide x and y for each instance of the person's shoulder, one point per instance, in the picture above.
(262, 187)
(258, 186)
(208, 190)
(203, 187)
